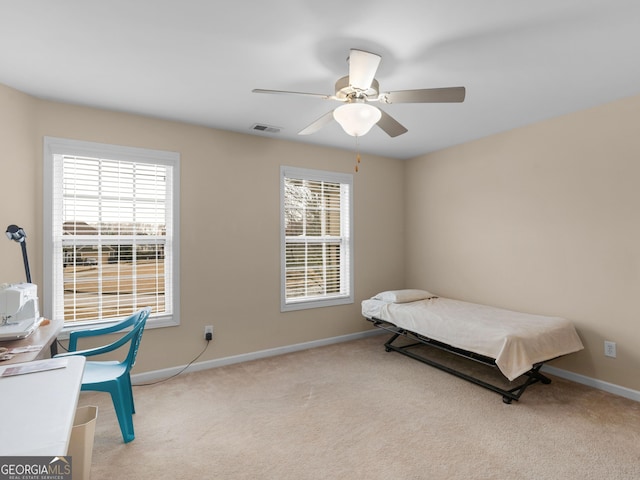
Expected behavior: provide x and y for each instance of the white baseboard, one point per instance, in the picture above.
(592, 382)
(155, 375)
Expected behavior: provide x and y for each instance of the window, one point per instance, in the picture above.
(111, 239)
(316, 230)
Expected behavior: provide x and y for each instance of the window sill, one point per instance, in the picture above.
(307, 304)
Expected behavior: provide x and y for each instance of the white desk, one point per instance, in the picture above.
(37, 409)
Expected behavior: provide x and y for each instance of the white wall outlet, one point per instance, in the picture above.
(208, 329)
(610, 349)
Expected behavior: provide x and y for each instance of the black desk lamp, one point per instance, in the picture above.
(16, 233)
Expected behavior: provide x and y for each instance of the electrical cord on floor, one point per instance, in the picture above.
(175, 374)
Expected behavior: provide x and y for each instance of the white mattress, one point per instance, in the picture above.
(515, 340)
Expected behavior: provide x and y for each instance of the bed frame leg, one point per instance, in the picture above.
(535, 375)
(387, 346)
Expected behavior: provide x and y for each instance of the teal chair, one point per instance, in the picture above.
(113, 376)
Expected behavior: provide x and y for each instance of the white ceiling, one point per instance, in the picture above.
(197, 61)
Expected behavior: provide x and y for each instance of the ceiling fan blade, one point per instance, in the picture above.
(318, 124)
(362, 68)
(390, 125)
(286, 92)
(425, 95)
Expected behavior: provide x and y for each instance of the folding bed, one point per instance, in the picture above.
(516, 343)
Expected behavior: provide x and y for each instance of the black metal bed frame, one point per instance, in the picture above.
(508, 395)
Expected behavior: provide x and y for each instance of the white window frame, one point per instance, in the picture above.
(347, 257)
(53, 150)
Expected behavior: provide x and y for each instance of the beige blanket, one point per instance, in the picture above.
(515, 340)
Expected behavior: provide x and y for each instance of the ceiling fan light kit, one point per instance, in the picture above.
(357, 118)
(358, 88)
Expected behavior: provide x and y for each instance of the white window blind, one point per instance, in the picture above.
(112, 232)
(316, 222)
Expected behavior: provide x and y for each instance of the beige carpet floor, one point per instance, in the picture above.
(354, 411)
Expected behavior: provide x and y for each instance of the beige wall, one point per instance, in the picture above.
(229, 221)
(543, 219)
(19, 184)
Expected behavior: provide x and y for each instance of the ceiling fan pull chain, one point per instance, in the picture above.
(357, 153)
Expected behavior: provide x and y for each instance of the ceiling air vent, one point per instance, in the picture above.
(265, 128)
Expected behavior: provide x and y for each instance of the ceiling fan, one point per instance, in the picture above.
(359, 88)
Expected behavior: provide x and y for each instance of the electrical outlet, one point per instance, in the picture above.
(610, 349)
(208, 332)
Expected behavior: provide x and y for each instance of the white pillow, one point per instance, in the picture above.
(404, 296)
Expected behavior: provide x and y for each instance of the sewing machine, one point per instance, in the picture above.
(19, 314)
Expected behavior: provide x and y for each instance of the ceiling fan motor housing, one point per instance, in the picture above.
(345, 91)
